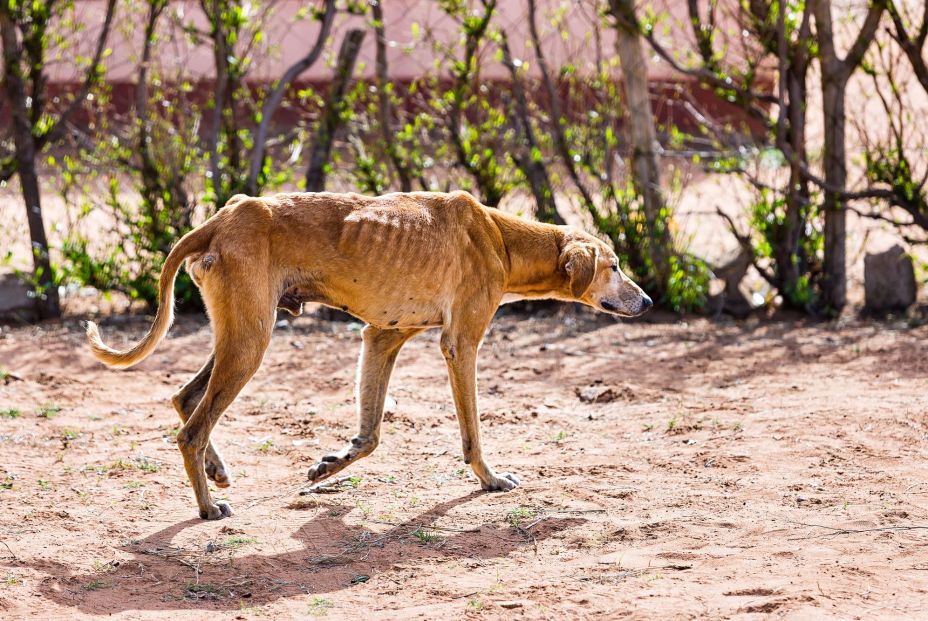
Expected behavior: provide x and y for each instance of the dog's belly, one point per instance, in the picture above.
(395, 310)
(398, 312)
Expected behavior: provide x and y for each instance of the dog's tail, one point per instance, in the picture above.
(195, 241)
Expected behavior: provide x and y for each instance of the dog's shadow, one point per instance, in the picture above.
(332, 556)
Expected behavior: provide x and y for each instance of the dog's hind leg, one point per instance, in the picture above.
(378, 355)
(241, 339)
(185, 402)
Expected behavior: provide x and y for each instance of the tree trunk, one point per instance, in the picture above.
(47, 302)
(321, 151)
(835, 74)
(642, 135)
(789, 262)
(384, 103)
(834, 287)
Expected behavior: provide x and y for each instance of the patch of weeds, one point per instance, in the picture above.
(70, 434)
(10, 413)
(475, 603)
(461, 473)
(119, 431)
(121, 464)
(739, 426)
(7, 483)
(134, 485)
(515, 516)
(44, 484)
(94, 585)
(104, 567)
(139, 464)
(266, 446)
(672, 423)
(239, 540)
(647, 427)
(559, 437)
(364, 508)
(146, 466)
(320, 606)
(48, 410)
(203, 590)
(11, 580)
(353, 481)
(426, 536)
(5, 375)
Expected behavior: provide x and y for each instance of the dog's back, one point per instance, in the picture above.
(394, 260)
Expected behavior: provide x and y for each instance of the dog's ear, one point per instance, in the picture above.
(580, 265)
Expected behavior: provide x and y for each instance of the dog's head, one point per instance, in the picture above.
(595, 278)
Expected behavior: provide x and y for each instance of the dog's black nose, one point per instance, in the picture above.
(646, 303)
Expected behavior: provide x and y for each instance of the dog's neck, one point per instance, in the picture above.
(533, 250)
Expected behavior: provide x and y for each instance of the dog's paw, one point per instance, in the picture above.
(217, 511)
(218, 475)
(324, 469)
(503, 482)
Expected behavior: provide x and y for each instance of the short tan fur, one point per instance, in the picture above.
(401, 263)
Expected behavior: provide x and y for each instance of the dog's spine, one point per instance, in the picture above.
(195, 241)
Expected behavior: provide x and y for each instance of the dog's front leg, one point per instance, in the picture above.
(378, 354)
(461, 356)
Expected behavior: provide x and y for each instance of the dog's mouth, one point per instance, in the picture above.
(613, 308)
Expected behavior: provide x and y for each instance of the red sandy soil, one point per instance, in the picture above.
(732, 471)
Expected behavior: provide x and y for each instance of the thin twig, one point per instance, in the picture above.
(15, 558)
(851, 531)
(428, 527)
(326, 487)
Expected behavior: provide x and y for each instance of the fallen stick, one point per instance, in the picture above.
(326, 487)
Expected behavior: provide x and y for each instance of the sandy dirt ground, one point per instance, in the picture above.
(728, 470)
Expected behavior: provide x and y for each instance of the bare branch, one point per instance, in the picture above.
(530, 163)
(560, 140)
(273, 100)
(912, 44)
(331, 120)
(384, 104)
(57, 130)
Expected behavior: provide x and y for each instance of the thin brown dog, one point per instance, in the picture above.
(402, 263)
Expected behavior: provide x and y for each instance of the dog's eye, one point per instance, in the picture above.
(615, 267)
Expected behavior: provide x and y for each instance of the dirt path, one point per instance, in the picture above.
(732, 471)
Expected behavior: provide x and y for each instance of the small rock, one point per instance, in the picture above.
(511, 605)
(889, 281)
(596, 394)
(17, 300)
